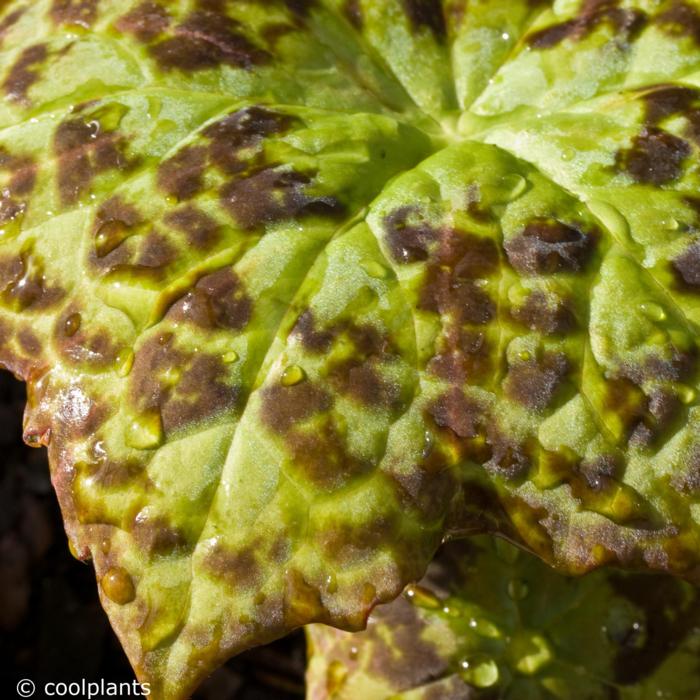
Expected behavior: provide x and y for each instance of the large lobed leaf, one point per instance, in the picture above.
(489, 621)
(301, 288)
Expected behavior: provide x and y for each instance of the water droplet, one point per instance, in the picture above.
(72, 325)
(653, 311)
(125, 362)
(110, 236)
(354, 653)
(374, 269)
(484, 628)
(105, 546)
(452, 611)
(686, 394)
(293, 375)
(670, 224)
(525, 356)
(568, 154)
(428, 444)
(231, 357)
(518, 589)
(423, 597)
(505, 36)
(145, 432)
(481, 672)
(331, 583)
(514, 186)
(118, 586)
(611, 218)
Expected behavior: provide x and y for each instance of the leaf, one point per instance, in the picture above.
(302, 288)
(490, 621)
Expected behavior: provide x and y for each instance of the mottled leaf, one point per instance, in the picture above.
(489, 621)
(301, 287)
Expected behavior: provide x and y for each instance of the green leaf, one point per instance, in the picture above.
(300, 288)
(490, 621)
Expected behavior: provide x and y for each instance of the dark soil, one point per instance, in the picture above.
(52, 627)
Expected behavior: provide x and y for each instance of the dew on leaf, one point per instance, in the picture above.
(423, 597)
(118, 586)
(479, 671)
(72, 325)
(145, 432)
(293, 375)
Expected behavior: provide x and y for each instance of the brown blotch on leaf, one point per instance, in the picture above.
(156, 253)
(13, 196)
(547, 246)
(10, 20)
(206, 40)
(84, 150)
(313, 339)
(346, 544)
(242, 131)
(363, 382)
(426, 14)
(470, 359)
(156, 537)
(284, 407)
(24, 73)
(533, 383)
(686, 268)
(146, 21)
(201, 391)
(80, 12)
(408, 242)
(627, 23)
(321, 457)
(681, 19)
(240, 569)
(273, 195)
(85, 345)
(23, 284)
(688, 480)
(460, 414)
(546, 314)
(28, 341)
(218, 300)
(182, 176)
(202, 232)
(450, 287)
(655, 157)
(352, 11)
(408, 660)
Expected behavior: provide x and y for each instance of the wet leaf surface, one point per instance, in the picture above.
(293, 306)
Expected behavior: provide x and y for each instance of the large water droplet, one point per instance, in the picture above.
(653, 311)
(293, 375)
(72, 325)
(118, 586)
(230, 357)
(481, 672)
(611, 218)
(145, 432)
(514, 186)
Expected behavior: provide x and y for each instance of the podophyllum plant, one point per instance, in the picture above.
(303, 288)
